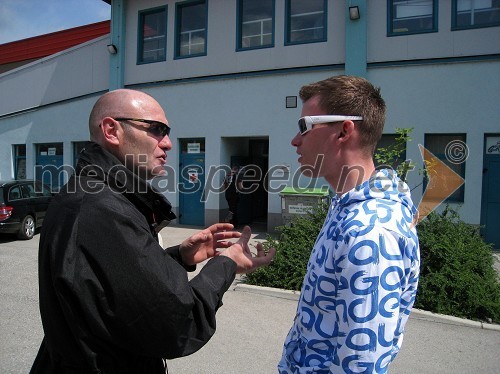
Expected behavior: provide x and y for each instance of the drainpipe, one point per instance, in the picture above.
(356, 39)
(117, 38)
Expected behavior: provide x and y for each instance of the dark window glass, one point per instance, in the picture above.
(306, 21)
(444, 146)
(389, 141)
(20, 161)
(77, 149)
(15, 193)
(153, 35)
(412, 16)
(255, 22)
(191, 29)
(475, 13)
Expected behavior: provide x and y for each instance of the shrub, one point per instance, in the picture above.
(457, 275)
(293, 248)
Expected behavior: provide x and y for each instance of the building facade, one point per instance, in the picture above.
(227, 73)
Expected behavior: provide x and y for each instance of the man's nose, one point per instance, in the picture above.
(296, 140)
(165, 143)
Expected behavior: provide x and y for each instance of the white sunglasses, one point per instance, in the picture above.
(305, 123)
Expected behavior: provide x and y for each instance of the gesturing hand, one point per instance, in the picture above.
(203, 245)
(240, 253)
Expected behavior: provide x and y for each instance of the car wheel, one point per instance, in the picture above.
(27, 229)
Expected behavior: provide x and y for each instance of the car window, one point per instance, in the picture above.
(14, 193)
(42, 190)
(28, 190)
(1, 196)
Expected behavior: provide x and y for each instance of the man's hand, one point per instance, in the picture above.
(203, 245)
(240, 253)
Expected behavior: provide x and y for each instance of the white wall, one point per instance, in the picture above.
(65, 122)
(432, 98)
(445, 98)
(221, 56)
(77, 71)
(444, 43)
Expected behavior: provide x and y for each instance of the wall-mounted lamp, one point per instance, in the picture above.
(354, 13)
(112, 49)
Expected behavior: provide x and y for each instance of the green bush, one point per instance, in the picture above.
(293, 248)
(457, 275)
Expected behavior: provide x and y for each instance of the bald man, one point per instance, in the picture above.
(112, 300)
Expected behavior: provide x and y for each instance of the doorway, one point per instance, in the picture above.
(490, 202)
(49, 165)
(192, 181)
(253, 161)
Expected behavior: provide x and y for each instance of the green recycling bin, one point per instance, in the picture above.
(299, 201)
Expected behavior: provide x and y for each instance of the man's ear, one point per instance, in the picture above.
(346, 130)
(110, 130)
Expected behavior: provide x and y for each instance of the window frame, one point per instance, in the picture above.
(287, 40)
(12, 189)
(442, 157)
(390, 19)
(454, 17)
(18, 159)
(140, 34)
(239, 31)
(178, 21)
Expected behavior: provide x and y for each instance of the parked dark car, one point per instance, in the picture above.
(23, 204)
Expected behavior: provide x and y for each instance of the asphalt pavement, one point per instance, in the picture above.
(251, 326)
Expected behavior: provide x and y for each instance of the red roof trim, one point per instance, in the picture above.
(48, 44)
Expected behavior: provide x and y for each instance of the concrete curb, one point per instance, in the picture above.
(443, 318)
(417, 313)
(267, 291)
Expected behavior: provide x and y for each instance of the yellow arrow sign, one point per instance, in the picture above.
(443, 182)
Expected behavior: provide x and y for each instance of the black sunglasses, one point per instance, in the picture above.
(156, 128)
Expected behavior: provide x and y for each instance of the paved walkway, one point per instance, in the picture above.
(253, 323)
(251, 327)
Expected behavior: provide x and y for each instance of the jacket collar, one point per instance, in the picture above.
(97, 163)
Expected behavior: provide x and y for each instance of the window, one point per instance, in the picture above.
(28, 190)
(191, 29)
(255, 24)
(475, 13)
(152, 35)
(20, 161)
(49, 166)
(15, 193)
(305, 21)
(412, 16)
(41, 190)
(392, 144)
(388, 141)
(444, 148)
(78, 147)
(50, 149)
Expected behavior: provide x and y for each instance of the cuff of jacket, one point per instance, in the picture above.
(175, 254)
(215, 279)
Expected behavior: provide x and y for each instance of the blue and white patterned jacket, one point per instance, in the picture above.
(360, 284)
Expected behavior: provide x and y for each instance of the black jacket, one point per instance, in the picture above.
(111, 299)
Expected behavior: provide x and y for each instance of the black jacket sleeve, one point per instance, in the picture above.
(119, 287)
(174, 253)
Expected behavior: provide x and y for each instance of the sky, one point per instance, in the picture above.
(21, 19)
